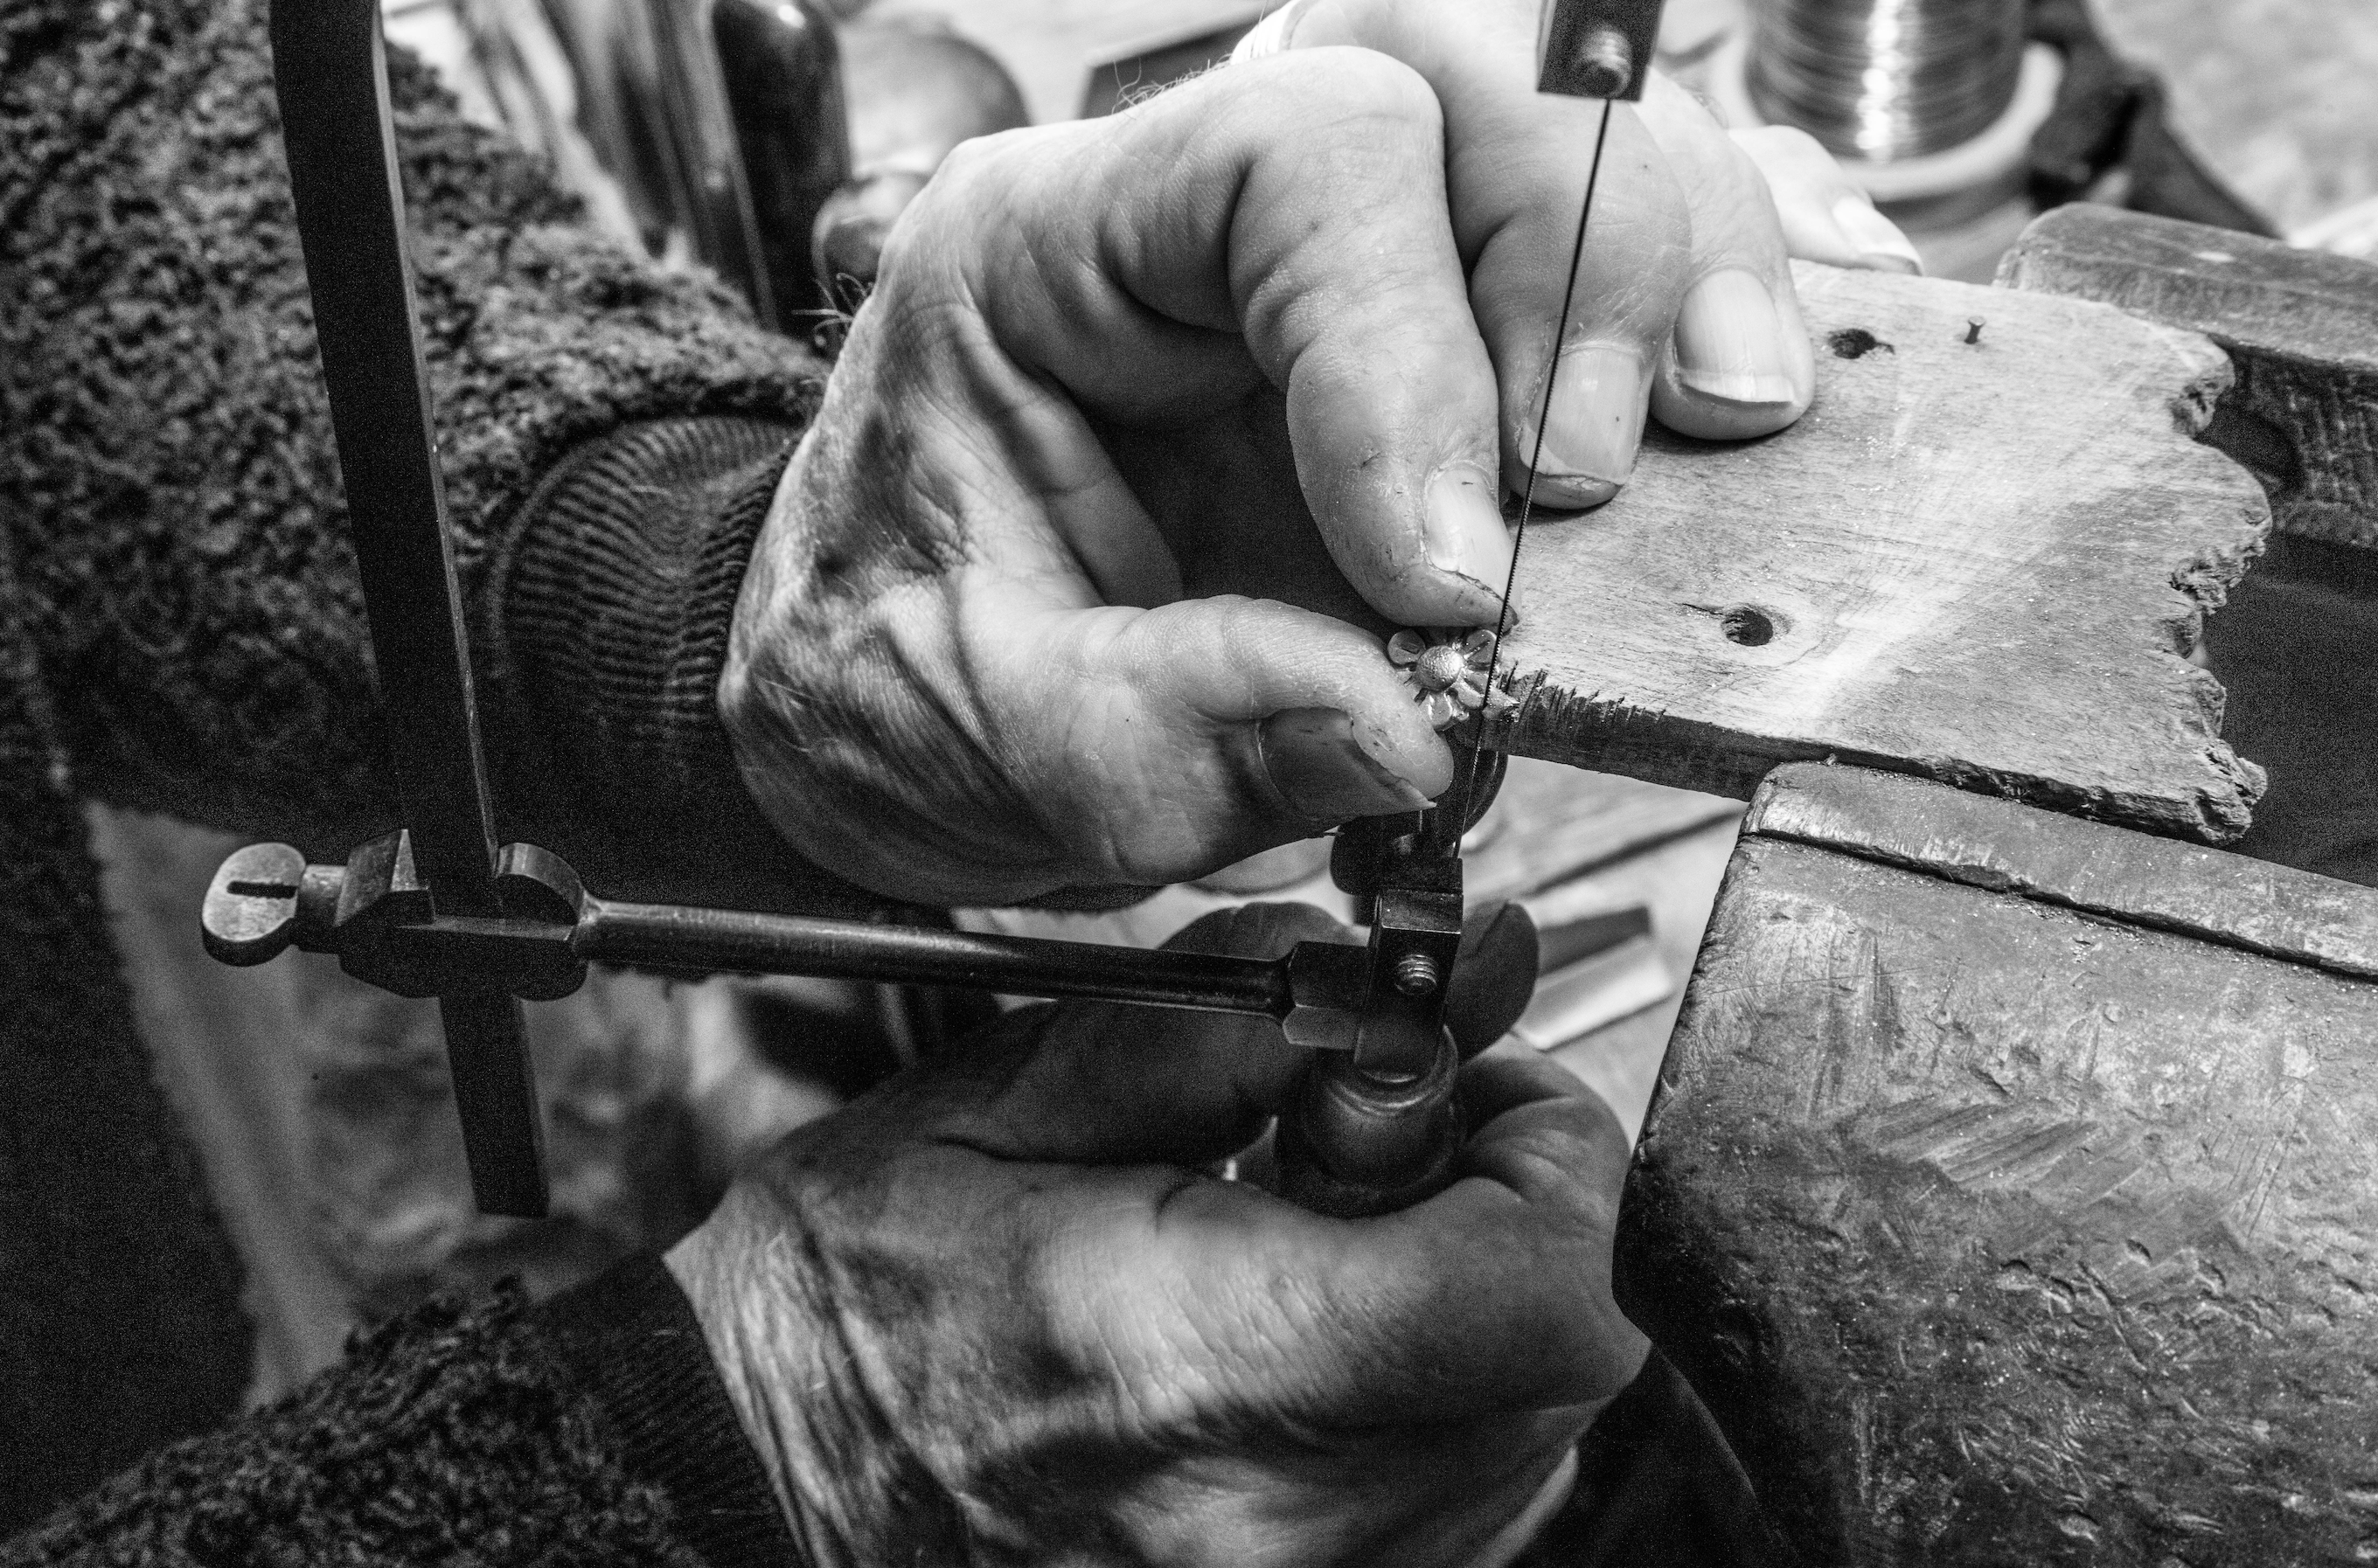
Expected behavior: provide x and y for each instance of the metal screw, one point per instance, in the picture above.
(250, 912)
(1974, 325)
(1415, 974)
(1605, 63)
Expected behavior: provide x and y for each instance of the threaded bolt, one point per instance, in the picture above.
(1605, 63)
(1415, 974)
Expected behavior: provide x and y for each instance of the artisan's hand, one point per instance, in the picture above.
(1684, 300)
(995, 1312)
(963, 669)
(1115, 373)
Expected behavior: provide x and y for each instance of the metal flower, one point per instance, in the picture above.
(1449, 678)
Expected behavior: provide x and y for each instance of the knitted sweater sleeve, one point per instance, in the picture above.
(612, 435)
(593, 1432)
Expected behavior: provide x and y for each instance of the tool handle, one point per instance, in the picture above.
(669, 936)
(1353, 1144)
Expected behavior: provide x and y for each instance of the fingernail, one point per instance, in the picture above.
(1600, 393)
(1730, 341)
(1462, 526)
(1880, 244)
(1311, 758)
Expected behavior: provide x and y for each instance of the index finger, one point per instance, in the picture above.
(1519, 165)
(1107, 1083)
(1493, 1297)
(1297, 204)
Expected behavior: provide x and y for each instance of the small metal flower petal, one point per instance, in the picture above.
(1448, 678)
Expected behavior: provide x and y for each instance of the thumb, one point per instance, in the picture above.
(1106, 1083)
(1174, 740)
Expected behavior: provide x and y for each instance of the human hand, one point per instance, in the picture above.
(996, 1311)
(993, 647)
(1684, 305)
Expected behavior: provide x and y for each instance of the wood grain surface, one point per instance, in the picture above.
(1979, 562)
(1993, 1231)
(2301, 326)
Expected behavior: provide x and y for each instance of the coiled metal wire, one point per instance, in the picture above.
(1886, 79)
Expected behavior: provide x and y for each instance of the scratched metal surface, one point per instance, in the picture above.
(1995, 1232)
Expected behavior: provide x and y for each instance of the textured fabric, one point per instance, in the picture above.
(168, 459)
(180, 630)
(630, 1339)
(1658, 1487)
(119, 1294)
(450, 1436)
(618, 601)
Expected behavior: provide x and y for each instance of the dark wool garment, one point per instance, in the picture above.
(488, 1435)
(180, 631)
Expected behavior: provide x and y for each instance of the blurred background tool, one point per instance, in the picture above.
(1932, 106)
(1883, 80)
(718, 127)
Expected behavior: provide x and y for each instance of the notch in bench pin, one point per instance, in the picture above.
(1597, 48)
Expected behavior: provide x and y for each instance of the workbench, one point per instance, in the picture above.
(2008, 1194)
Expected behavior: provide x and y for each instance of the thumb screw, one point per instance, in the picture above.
(1416, 975)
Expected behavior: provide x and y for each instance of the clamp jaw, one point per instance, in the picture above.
(1376, 1129)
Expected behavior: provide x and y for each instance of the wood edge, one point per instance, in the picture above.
(1852, 810)
(1611, 735)
(2086, 251)
(2301, 326)
(2203, 578)
(1585, 729)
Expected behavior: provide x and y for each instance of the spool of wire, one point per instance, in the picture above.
(1880, 81)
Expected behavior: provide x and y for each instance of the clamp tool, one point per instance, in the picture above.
(437, 909)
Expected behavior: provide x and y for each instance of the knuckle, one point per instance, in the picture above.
(1362, 86)
(983, 169)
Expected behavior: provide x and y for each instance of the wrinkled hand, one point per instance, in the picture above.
(1154, 424)
(1684, 301)
(997, 1312)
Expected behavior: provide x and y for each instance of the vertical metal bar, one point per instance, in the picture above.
(495, 1097)
(331, 76)
(333, 90)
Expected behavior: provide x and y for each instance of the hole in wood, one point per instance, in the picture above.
(1747, 625)
(1856, 343)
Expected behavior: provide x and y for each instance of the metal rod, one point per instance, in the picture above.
(330, 75)
(670, 936)
(485, 1054)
